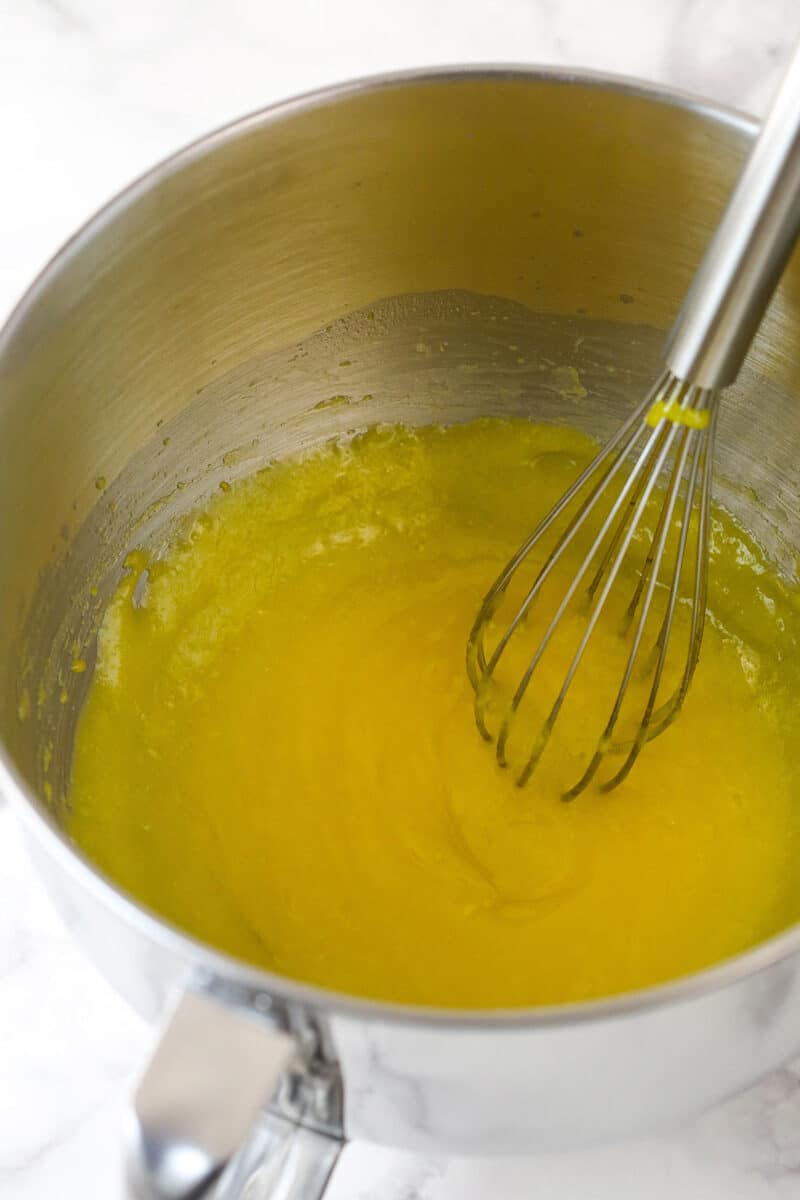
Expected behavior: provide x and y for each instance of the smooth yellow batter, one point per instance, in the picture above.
(278, 749)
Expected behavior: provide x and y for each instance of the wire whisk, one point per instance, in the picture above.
(641, 510)
(671, 433)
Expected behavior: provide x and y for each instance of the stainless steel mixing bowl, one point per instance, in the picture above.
(466, 241)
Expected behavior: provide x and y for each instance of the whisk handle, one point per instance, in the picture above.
(746, 257)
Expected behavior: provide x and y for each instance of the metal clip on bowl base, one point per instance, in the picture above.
(199, 1129)
(281, 1161)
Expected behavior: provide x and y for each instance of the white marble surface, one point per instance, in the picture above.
(91, 93)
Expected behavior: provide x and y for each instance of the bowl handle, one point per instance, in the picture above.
(198, 1125)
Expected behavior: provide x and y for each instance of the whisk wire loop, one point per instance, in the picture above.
(646, 585)
(669, 711)
(477, 666)
(663, 636)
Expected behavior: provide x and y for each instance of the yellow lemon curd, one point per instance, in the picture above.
(278, 750)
